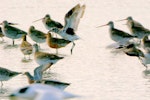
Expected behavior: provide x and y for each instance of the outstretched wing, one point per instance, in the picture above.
(38, 73)
(72, 18)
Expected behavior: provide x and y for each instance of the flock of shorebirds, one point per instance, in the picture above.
(135, 44)
(39, 88)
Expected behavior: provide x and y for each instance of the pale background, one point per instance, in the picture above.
(93, 71)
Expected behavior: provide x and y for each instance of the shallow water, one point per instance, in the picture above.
(93, 71)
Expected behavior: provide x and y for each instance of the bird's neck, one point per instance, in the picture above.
(31, 30)
(4, 25)
(130, 23)
(30, 76)
(111, 27)
(24, 38)
(45, 21)
(36, 49)
(49, 36)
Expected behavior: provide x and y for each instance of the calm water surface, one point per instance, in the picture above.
(93, 71)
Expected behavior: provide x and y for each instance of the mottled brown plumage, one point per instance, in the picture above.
(57, 42)
(26, 47)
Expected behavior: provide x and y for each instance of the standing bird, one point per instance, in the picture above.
(118, 35)
(36, 35)
(40, 92)
(6, 74)
(26, 47)
(12, 32)
(50, 23)
(57, 42)
(44, 58)
(136, 28)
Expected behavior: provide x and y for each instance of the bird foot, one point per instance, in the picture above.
(10, 46)
(24, 60)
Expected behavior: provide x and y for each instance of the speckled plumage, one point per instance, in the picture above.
(26, 47)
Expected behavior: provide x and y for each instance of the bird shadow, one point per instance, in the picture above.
(3, 91)
(146, 74)
(26, 60)
(7, 46)
(60, 54)
(48, 74)
(2, 42)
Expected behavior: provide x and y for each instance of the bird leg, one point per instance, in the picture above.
(38, 46)
(1, 87)
(46, 66)
(24, 57)
(142, 62)
(49, 67)
(13, 42)
(56, 51)
(29, 57)
(72, 47)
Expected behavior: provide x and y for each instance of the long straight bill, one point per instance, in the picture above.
(10, 23)
(37, 20)
(13, 23)
(120, 20)
(101, 25)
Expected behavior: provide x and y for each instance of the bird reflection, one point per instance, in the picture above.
(146, 73)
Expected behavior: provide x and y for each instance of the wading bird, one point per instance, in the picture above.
(36, 35)
(57, 42)
(118, 35)
(12, 32)
(26, 47)
(44, 58)
(6, 74)
(136, 28)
